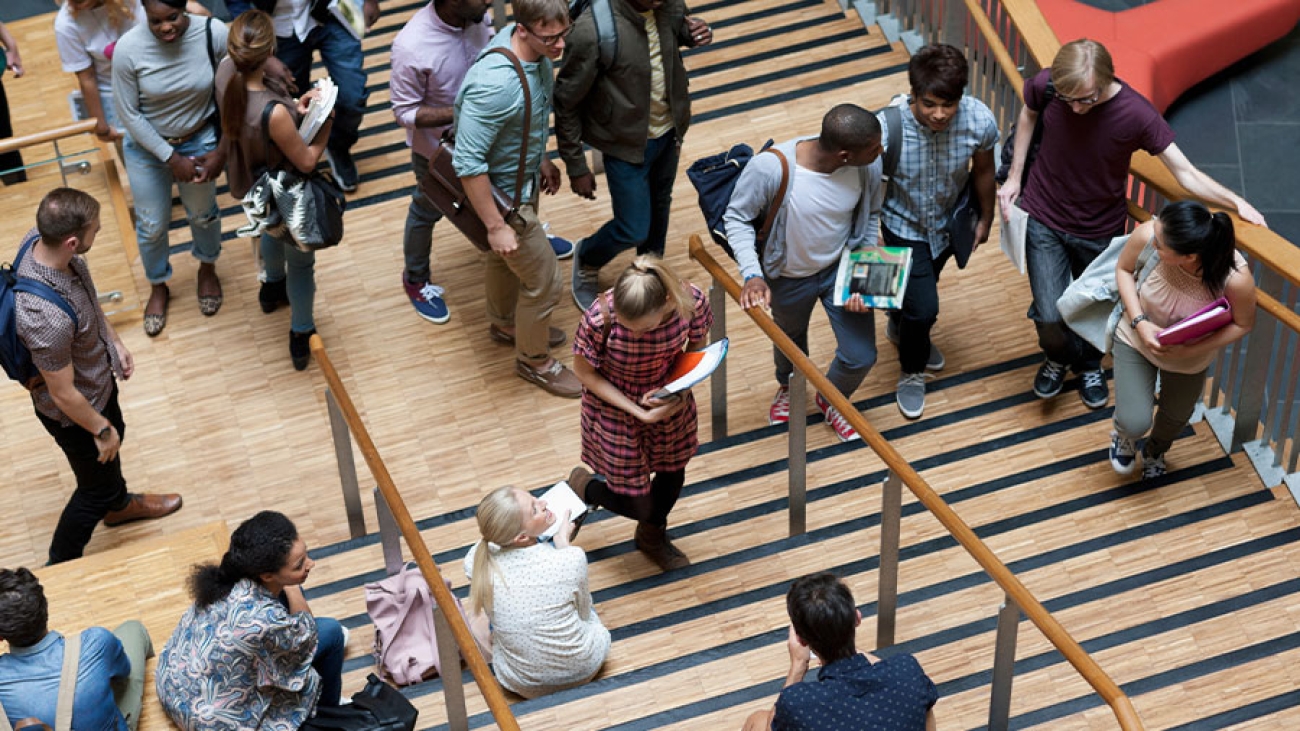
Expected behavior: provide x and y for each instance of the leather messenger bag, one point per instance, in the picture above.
(444, 189)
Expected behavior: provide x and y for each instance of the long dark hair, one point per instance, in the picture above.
(251, 41)
(260, 545)
(1189, 227)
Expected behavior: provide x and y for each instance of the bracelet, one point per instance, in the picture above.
(753, 276)
(1140, 318)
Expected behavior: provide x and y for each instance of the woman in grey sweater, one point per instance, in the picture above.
(163, 90)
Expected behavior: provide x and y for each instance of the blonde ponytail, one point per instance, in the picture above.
(646, 286)
(499, 521)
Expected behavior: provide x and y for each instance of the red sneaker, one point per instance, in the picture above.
(779, 413)
(843, 429)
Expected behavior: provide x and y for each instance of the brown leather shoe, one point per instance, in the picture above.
(144, 507)
(554, 379)
(652, 540)
(578, 480)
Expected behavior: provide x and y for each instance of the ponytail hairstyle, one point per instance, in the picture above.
(500, 521)
(251, 42)
(260, 545)
(1188, 227)
(646, 286)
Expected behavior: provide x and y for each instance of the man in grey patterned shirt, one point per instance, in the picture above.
(76, 394)
(947, 137)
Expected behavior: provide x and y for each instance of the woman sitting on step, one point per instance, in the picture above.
(1198, 263)
(545, 635)
(626, 345)
(249, 654)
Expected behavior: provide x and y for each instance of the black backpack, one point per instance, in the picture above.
(15, 358)
(602, 13)
(1009, 147)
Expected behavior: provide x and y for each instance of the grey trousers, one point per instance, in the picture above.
(128, 692)
(1135, 399)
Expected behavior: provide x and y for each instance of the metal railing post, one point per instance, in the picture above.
(718, 381)
(891, 516)
(955, 20)
(347, 467)
(390, 536)
(1254, 377)
(797, 437)
(1004, 666)
(453, 686)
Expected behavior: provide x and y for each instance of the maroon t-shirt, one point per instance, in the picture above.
(1077, 182)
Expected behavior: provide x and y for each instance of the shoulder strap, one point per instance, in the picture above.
(602, 14)
(68, 682)
(267, 144)
(606, 322)
(212, 55)
(894, 142)
(4, 720)
(39, 288)
(528, 120)
(779, 200)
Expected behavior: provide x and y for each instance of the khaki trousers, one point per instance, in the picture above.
(522, 289)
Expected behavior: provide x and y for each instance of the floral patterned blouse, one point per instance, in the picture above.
(242, 663)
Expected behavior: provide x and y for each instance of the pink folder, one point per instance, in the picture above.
(1204, 321)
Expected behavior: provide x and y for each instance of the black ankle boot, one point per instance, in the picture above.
(272, 295)
(300, 348)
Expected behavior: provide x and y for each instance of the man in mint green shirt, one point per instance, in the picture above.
(522, 277)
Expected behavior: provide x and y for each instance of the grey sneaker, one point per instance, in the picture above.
(911, 395)
(934, 362)
(1123, 454)
(586, 285)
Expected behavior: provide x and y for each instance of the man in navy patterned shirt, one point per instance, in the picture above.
(853, 690)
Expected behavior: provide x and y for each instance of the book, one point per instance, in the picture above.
(877, 273)
(350, 16)
(693, 366)
(1013, 237)
(559, 498)
(1204, 321)
(319, 109)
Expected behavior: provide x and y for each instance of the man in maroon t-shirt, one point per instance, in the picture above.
(1075, 193)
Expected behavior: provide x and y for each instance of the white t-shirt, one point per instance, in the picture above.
(292, 19)
(819, 218)
(83, 38)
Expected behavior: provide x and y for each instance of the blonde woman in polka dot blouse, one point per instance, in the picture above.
(545, 635)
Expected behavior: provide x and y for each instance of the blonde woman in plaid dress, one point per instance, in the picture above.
(637, 445)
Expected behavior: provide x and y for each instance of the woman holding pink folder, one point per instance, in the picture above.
(1198, 264)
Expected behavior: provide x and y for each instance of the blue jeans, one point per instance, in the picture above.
(341, 53)
(641, 197)
(417, 242)
(855, 333)
(921, 303)
(151, 184)
(329, 659)
(1053, 259)
(281, 260)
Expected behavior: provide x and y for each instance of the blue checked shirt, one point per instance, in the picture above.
(932, 170)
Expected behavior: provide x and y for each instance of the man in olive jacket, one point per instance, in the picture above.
(634, 108)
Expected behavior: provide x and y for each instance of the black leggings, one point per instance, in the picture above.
(653, 507)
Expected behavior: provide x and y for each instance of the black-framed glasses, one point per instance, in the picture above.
(552, 39)
(1086, 101)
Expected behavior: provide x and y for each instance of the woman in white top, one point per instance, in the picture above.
(545, 635)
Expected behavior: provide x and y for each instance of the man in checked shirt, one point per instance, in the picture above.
(76, 394)
(946, 137)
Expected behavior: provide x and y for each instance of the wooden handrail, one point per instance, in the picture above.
(492, 693)
(50, 135)
(992, 565)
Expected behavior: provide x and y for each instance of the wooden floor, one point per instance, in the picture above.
(1185, 590)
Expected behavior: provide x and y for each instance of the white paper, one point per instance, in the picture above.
(558, 499)
(1013, 237)
(319, 109)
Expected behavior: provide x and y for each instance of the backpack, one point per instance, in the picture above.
(406, 645)
(1009, 147)
(15, 358)
(602, 13)
(714, 178)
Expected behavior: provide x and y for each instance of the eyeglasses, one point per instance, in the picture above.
(552, 39)
(1086, 101)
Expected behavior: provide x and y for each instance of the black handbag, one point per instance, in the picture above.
(376, 707)
(963, 219)
(308, 209)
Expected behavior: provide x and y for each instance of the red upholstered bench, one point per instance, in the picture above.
(1164, 48)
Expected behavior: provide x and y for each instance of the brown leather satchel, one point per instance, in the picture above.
(444, 189)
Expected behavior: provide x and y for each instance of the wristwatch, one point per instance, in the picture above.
(1136, 320)
(103, 433)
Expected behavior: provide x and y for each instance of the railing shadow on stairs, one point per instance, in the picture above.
(1018, 598)
(453, 635)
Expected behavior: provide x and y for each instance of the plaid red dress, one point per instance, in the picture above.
(616, 444)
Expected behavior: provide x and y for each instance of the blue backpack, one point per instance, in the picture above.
(714, 178)
(14, 356)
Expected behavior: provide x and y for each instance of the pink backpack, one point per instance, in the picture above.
(401, 606)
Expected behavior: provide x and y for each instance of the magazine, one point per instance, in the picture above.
(693, 366)
(558, 499)
(349, 16)
(877, 273)
(319, 109)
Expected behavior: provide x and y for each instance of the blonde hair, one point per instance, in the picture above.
(646, 286)
(120, 12)
(1079, 62)
(499, 522)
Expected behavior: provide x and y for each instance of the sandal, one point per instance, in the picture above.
(155, 322)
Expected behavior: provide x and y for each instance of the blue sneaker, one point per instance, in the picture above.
(1123, 454)
(562, 247)
(427, 300)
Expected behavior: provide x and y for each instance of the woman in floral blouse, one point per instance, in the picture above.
(249, 654)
